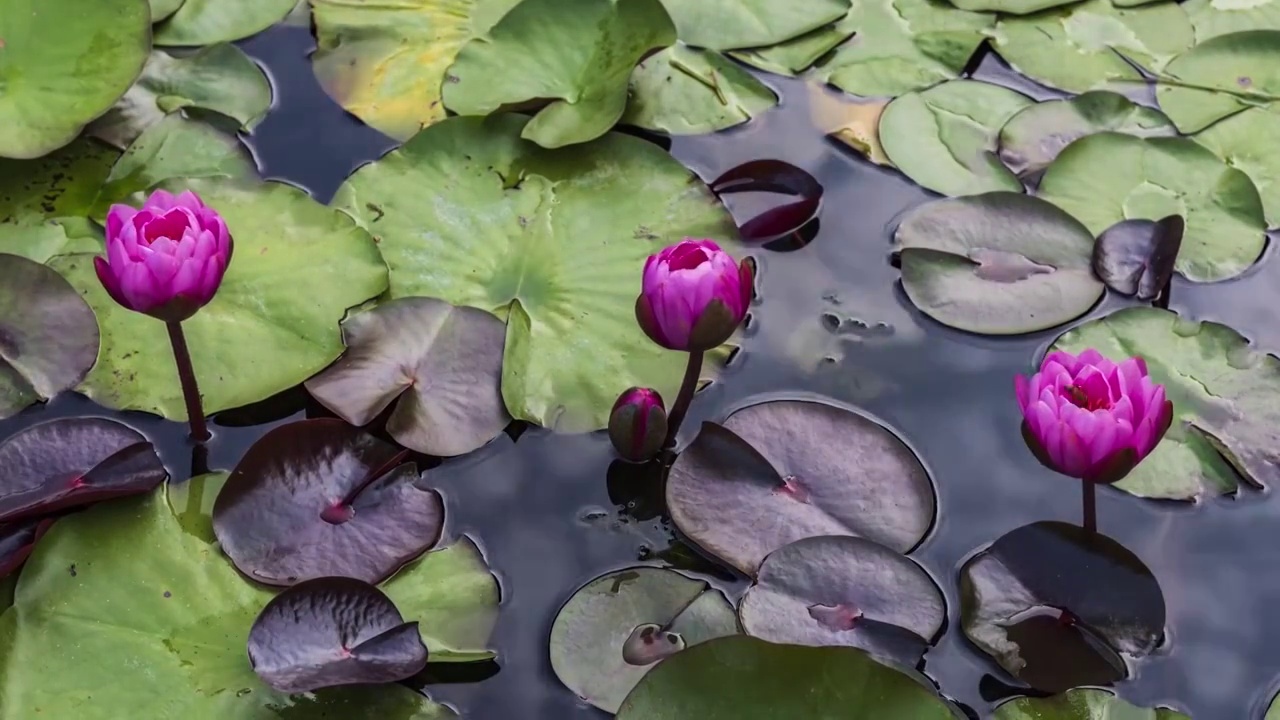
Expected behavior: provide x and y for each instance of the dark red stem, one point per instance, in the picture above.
(1090, 506)
(187, 376)
(692, 372)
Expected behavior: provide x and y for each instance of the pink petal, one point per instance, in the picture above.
(1102, 444)
(117, 217)
(1062, 359)
(108, 279)
(1091, 356)
(189, 200)
(159, 202)
(1075, 454)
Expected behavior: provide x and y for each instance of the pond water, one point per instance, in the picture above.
(552, 512)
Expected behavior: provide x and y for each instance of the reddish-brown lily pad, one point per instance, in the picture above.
(776, 177)
(17, 540)
(319, 498)
(333, 631)
(1136, 257)
(785, 470)
(73, 461)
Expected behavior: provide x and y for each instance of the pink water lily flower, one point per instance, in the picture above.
(638, 424)
(1090, 418)
(694, 296)
(166, 259)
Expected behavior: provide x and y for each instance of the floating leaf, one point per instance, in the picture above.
(834, 590)
(1081, 704)
(773, 176)
(298, 267)
(333, 631)
(1136, 257)
(1108, 177)
(41, 242)
(17, 540)
(1212, 18)
(1034, 137)
(174, 616)
(317, 498)
(730, 24)
(204, 22)
(572, 58)
(48, 335)
(61, 184)
(784, 470)
(686, 91)
(613, 630)
(999, 263)
(62, 64)
(742, 678)
(1054, 604)
(1219, 78)
(1084, 46)
(220, 78)
(566, 279)
(795, 56)
(1247, 141)
(1224, 395)
(161, 9)
(944, 138)
(440, 364)
(1019, 7)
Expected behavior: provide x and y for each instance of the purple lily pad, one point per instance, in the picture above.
(1136, 257)
(48, 334)
(839, 590)
(444, 363)
(333, 631)
(1057, 606)
(17, 540)
(319, 498)
(773, 176)
(71, 462)
(785, 470)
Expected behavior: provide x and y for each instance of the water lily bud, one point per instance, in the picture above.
(638, 424)
(694, 296)
(1090, 418)
(166, 259)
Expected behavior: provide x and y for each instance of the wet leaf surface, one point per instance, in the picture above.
(1057, 606)
(317, 498)
(63, 183)
(687, 91)
(772, 176)
(1136, 257)
(833, 590)
(333, 631)
(1221, 77)
(71, 462)
(784, 470)
(612, 631)
(1250, 142)
(441, 365)
(731, 24)
(17, 540)
(1081, 704)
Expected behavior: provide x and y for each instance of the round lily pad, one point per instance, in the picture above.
(835, 590)
(1225, 394)
(1059, 606)
(1136, 257)
(1220, 77)
(48, 335)
(999, 263)
(174, 616)
(730, 24)
(1212, 18)
(62, 64)
(686, 91)
(743, 678)
(1034, 137)
(204, 22)
(557, 253)
(1081, 704)
(441, 365)
(1079, 47)
(317, 498)
(17, 540)
(616, 627)
(333, 631)
(944, 138)
(572, 58)
(74, 461)
(1108, 177)
(298, 267)
(1249, 141)
(785, 470)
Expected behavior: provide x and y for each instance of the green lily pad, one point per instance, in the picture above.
(571, 58)
(1225, 397)
(1081, 704)
(1221, 77)
(614, 629)
(795, 56)
(62, 64)
(1034, 137)
(161, 9)
(1079, 47)
(1019, 7)
(1247, 141)
(944, 138)
(1108, 177)
(1212, 18)
(999, 263)
(175, 616)
(61, 236)
(204, 22)
(685, 91)
(742, 678)
(732, 24)
(62, 184)
(220, 78)
(557, 251)
(298, 267)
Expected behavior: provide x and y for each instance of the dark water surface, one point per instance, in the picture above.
(832, 320)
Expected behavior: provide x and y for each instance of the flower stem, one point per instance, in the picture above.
(187, 376)
(681, 407)
(1090, 505)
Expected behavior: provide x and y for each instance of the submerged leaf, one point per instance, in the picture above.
(1136, 257)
